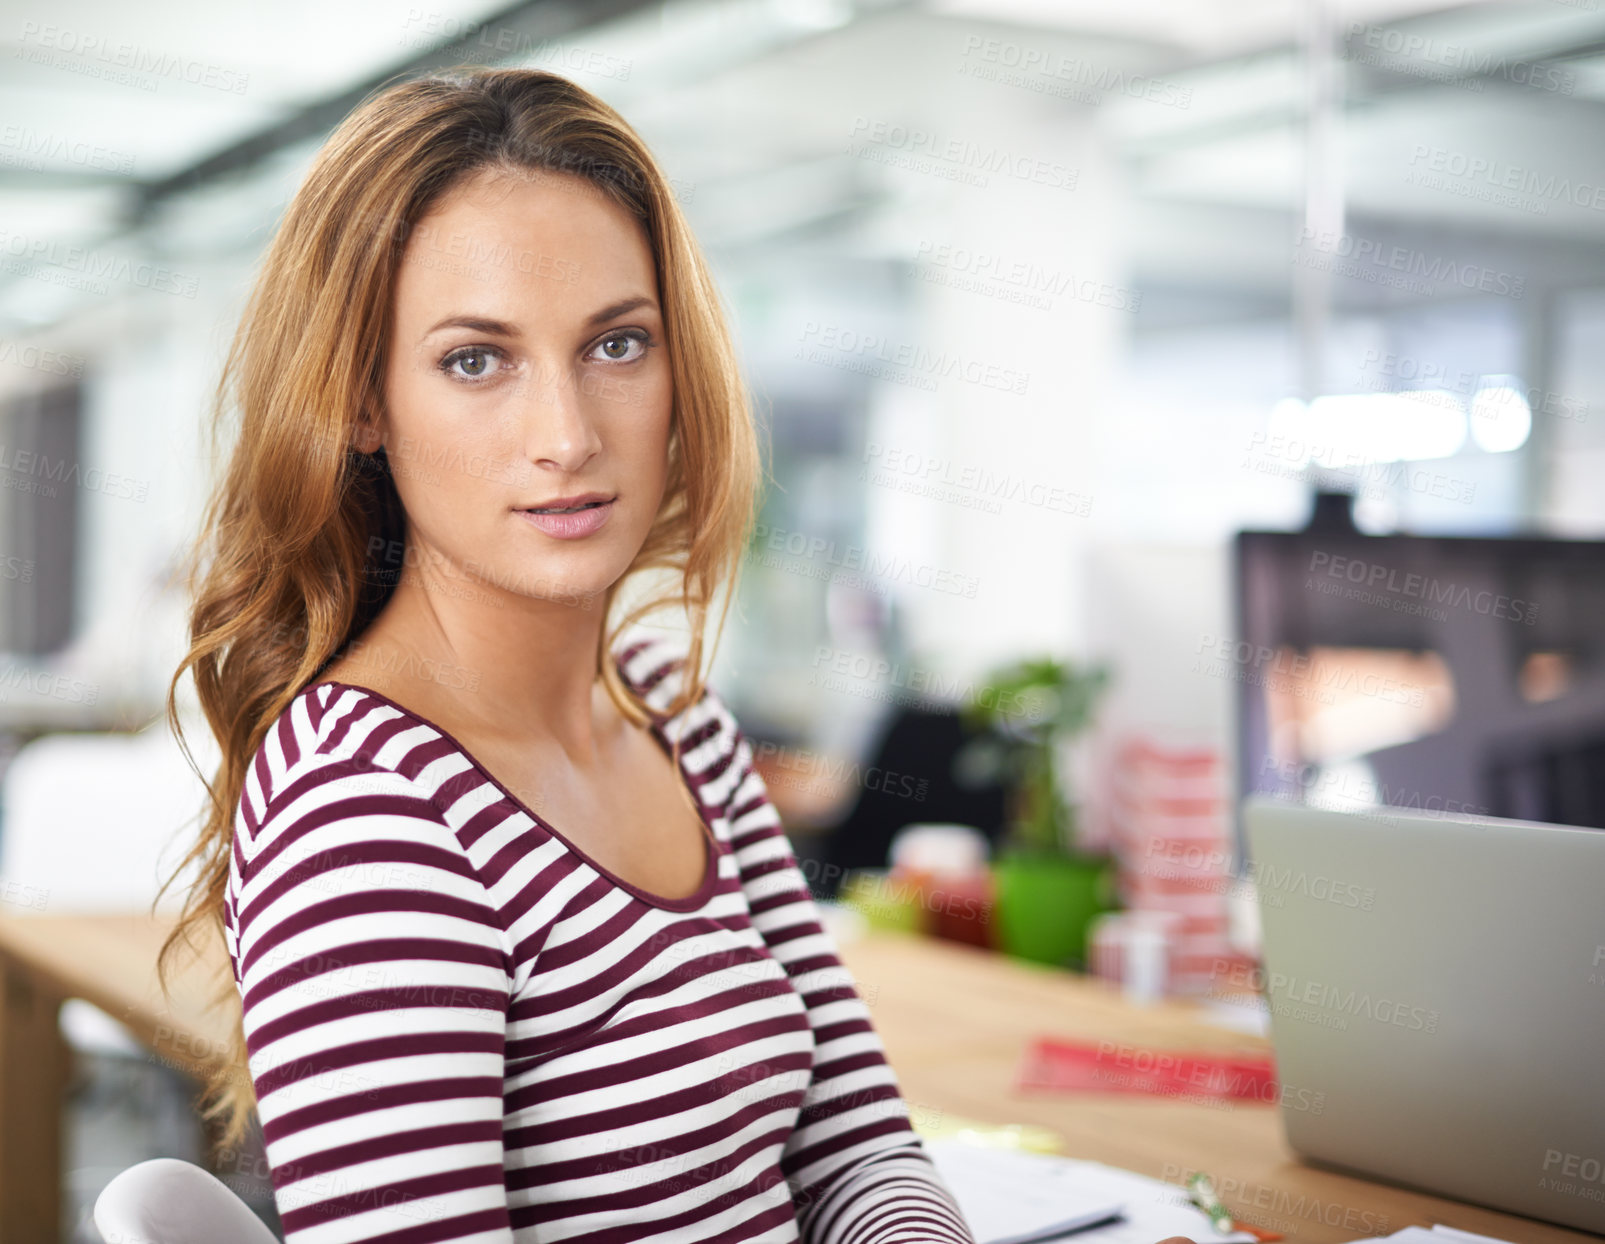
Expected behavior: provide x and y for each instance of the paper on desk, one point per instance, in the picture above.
(1012, 1197)
(1154, 1210)
(1438, 1234)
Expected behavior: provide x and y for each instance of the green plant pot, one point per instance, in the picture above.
(1045, 904)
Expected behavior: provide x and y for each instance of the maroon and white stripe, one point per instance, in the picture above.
(461, 1028)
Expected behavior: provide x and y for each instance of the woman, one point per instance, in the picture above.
(521, 946)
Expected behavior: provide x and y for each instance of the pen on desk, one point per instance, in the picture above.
(1203, 1195)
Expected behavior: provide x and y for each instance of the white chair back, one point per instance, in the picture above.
(165, 1201)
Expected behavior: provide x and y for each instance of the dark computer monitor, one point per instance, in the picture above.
(1434, 672)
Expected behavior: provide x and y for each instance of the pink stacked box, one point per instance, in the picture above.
(1172, 840)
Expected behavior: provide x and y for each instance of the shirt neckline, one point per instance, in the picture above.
(711, 848)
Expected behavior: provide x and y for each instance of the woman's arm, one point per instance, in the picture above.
(856, 1168)
(375, 977)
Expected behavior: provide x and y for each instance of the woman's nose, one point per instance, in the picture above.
(558, 422)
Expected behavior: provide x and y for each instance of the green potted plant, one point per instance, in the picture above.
(1047, 889)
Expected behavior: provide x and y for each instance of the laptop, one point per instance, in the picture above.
(1436, 986)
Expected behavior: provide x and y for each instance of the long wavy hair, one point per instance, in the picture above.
(302, 539)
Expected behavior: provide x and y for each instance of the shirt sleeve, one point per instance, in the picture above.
(374, 978)
(857, 1169)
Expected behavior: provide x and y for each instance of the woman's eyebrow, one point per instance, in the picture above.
(476, 323)
(501, 328)
(619, 308)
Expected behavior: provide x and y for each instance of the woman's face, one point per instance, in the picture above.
(526, 366)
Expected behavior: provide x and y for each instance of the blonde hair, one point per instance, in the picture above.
(298, 549)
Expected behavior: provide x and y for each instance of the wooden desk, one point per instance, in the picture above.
(954, 1019)
(111, 962)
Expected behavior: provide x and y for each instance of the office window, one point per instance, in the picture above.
(40, 476)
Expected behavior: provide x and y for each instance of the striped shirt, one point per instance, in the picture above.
(460, 1027)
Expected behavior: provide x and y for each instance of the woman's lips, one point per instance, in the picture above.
(573, 526)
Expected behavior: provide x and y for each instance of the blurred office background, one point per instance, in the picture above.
(1041, 303)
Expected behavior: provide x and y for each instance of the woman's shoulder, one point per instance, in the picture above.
(319, 726)
(657, 667)
(338, 782)
(652, 664)
(328, 734)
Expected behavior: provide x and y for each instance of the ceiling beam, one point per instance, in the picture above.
(520, 25)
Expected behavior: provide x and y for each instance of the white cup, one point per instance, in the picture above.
(944, 849)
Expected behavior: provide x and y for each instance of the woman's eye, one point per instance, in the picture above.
(616, 347)
(472, 363)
